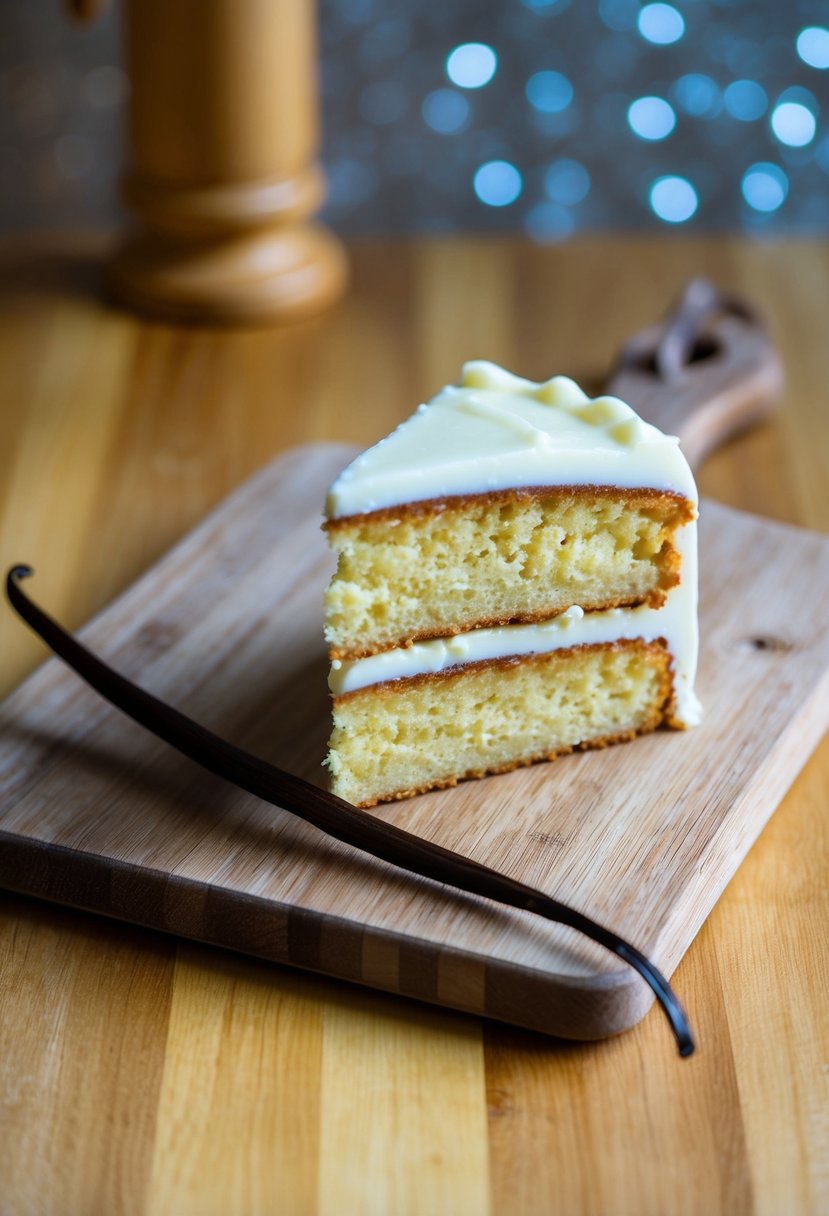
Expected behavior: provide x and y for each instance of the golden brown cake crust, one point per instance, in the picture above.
(662, 714)
(645, 497)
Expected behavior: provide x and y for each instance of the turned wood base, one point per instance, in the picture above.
(266, 275)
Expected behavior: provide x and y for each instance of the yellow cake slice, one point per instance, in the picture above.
(516, 578)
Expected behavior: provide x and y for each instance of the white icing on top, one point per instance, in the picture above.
(495, 431)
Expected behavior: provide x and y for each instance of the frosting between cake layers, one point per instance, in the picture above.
(675, 622)
(497, 431)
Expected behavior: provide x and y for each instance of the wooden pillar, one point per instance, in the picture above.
(222, 176)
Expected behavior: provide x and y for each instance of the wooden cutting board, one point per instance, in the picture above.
(644, 837)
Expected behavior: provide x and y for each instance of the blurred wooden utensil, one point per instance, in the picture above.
(222, 174)
(705, 372)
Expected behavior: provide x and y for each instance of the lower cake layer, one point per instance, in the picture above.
(405, 736)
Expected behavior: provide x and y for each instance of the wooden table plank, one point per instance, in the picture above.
(217, 1105)
(83, 1043)
(116, 436)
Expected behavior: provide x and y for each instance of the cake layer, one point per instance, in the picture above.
(396, 739)
(434, 569)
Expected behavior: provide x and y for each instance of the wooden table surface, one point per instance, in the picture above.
(144, 1075)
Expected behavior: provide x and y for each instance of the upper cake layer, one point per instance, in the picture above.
(495, 431)
(429, 570)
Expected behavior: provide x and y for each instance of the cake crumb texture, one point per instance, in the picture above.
(407, 736)
(438, 569)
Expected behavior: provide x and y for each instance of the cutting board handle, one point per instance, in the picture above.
(707, 371)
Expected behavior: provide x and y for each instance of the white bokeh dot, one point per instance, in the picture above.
(661, 24)
(813, 46)
(651, 118)
(793, 124)
(765, 186)
(471, 65)
(673, 199)
(497, 183)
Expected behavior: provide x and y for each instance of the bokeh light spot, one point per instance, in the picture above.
(619, 14)
(765, 186)
(567, 181)
(813, 46)
(445, 111)
(549, 222)
(746, 100)
(793, 124)
(549, 92)
(661, 24)
(497, 183)
(697, 94)
(471, 65)
(803, 97)
(651, 118)
(673, 199)
(547, 6)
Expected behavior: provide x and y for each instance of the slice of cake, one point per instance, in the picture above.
(516, 578)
